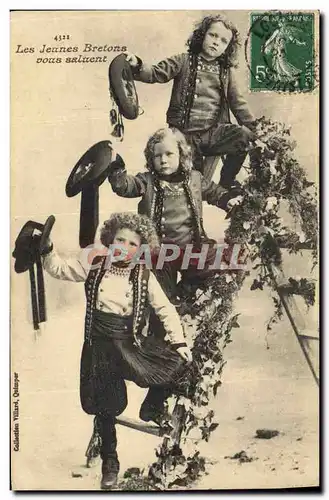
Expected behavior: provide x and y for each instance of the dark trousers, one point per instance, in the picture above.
(107, 431)
(104, 371)
(105, 423)
(227, 139)
(192, 277)
(105, 365)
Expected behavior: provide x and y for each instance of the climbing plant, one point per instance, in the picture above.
(256, 222)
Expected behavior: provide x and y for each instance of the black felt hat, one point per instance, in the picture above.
(122, 87)
(29, 246)
(91, 169)
(86, 177)
(28, 243)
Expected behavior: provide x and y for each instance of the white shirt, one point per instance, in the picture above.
(115, 293)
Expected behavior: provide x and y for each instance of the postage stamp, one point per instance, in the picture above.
(282, 54)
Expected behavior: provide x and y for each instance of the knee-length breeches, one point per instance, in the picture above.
(109, 361)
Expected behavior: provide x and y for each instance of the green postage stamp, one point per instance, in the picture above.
(282, 53)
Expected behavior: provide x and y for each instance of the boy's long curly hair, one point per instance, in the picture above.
(185, 154)
(195, 41)
(139, 224)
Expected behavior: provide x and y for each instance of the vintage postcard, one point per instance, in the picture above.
(164, 250)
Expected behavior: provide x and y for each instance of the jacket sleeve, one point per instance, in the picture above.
(69, 269)
(211, 192)
(237, 102)
(127, 186)
(162, 72)
(167, 313)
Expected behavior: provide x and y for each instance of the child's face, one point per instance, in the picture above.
(166, 156)
(129, 240)
(216, 41)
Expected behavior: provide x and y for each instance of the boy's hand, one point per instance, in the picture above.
(131, 59)
(47, 248)
(185, 353)
(234, 201)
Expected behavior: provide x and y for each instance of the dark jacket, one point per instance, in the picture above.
(142, 185)
(182, 69)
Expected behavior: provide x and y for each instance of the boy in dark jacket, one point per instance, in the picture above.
(172, 195)
(203, 94)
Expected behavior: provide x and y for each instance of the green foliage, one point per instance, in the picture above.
(303, 287)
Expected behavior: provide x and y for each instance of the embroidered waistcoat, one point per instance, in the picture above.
(139, 277)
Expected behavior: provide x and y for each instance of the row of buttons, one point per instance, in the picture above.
(162, 227)
(197, 81)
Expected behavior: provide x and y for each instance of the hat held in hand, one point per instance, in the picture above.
(91, 169)
(86, 177)
(30, 244)
(122, 87)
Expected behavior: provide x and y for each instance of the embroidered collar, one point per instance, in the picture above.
(173, 190)
(208, 66)
(172, 187)
(117, 271)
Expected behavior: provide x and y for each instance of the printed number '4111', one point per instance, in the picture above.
(59, 38)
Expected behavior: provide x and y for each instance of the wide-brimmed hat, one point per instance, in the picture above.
(122, 87)
(86, 177)
(91, 169)
(28, 243)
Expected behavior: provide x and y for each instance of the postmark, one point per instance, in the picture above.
(280, 51)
